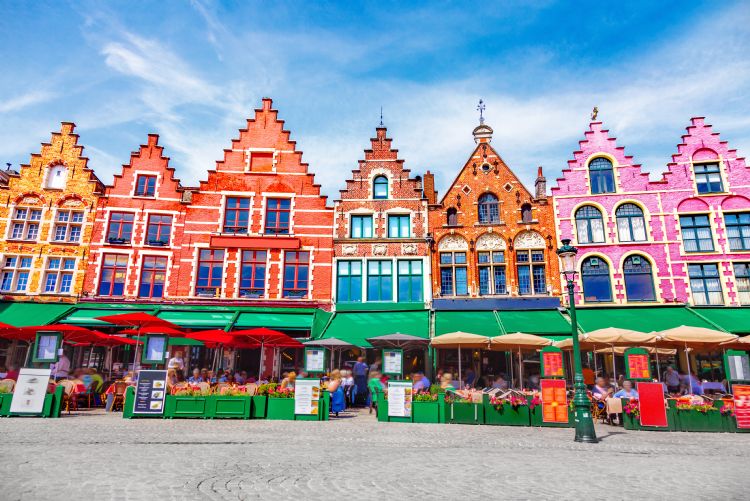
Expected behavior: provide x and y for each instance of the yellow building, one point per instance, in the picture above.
(46, 215)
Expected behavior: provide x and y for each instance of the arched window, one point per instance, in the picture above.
(452, 218)
(526, 213)
(602, 176)
(631, 227)
(639, 283)
(57, 177)
(589, 225)
(596, 285)
(488, 209)
(380, 187)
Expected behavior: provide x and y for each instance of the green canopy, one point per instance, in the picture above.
(534, 322)
(198, 319)
(483, 323)
(183, 341)
(23, 314)
(734, 320)
(646, 319)
(280, 320)
(88, 316)
(357, 327)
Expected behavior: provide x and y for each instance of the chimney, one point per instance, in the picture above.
(428, 182)
(540, 185)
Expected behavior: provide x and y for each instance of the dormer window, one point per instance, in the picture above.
(57, 177)
(145, 186)
(708, 178)
(380, 188)
(602, 176)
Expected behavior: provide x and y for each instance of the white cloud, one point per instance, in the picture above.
(31, 98)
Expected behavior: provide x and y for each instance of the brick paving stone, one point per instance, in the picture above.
(98, 456)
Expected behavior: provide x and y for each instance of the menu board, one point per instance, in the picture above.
(393, 361)
(738, 365)
(306, 396)
(552, 364)
(315, 359)
(742, 405)
(554, 401)
(651, 404)
(46, 347)
(156, 349)
(399, 398)
(150, 392)
(638, 366)
(30, 390)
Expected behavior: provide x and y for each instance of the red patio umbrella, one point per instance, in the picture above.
(139, 320)
(167, 331)
(8, 331)
(265, 337)
(211, 338)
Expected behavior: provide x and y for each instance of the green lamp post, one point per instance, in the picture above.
(584, 423)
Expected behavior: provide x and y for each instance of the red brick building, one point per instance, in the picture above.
(137, 236)
(380, 246)
(493, 238)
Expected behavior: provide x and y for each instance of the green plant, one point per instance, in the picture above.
(435, 389)
(278, 392)
(264, 389)
(424, 396)
(4, 389)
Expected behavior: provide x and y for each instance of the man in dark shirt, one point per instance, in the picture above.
(360, 380)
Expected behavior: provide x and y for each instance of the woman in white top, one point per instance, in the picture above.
(176, 362)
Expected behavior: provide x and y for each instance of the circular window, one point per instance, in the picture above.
(486, 167)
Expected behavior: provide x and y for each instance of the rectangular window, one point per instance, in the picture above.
(708, 178)
(253, 273)
(491, 267)
(696, 233)
(210, 272)
(530, 266)
(68, 224)
(120, 227)
(113, 274)
(296, 274)
(349, 281)
(361, 227)
(25, 224)
(379, 281)
(153, 276)
(15, 273)
(145, 186)
(278, 213)
(453, 275)
(705, 284)
(237, 215)
(742, 278)
(398, 226)
(158, 230)
(410, 281)
(738, 230)
(58, 276)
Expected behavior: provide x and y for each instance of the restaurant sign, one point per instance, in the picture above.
(554, 401)
(306, 396)
(741, 394)
(150, 392)
(652, 408)
(552, 362)
(315, 359)
(637, 364)
(30, 390)
(399, 398)
(393, 362)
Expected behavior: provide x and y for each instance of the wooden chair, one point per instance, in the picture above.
(8, 384)
(69, 396)
(118, 402)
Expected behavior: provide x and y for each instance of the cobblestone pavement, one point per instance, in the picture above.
(97, 456)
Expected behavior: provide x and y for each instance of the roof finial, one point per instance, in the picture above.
(481, 108)
(594, 113)
(381, 117)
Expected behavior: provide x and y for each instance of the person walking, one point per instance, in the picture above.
(360, 381)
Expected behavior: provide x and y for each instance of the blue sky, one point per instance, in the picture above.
(194, 71)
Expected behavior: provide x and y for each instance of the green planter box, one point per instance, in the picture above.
(186, 407)
(691, 420)
(228, 407)
(634, 423)
(425, 412)
(506, 415)
(465, 413)
(280, 408)
(536, 419)
(259, 406)
(324, 405)
(5, 399)
(383, 416)
(51, 408)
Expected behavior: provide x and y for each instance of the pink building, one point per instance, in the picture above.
(684, 238)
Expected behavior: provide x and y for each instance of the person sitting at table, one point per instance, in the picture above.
(176, 362)
(171, 377)
(61, 368)
(240, 377)
(672, 379)
(627, 391)
(180, 375)
(374, 386)
(447, 381)
(601, 389)
(691, 385)
(499, 383)
(210, 377)
(288, 381)
(420, 382)
(338, 400)
(196, 377)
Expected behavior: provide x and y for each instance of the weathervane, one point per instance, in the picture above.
(480, 108)
(594, 113)
(381, 117)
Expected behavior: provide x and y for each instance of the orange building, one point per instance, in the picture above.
(493, 238)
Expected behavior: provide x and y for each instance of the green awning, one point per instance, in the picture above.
(734, 320)
(183, 341)
(534, 322)
(639, 319)
(483, 323)
(272, 320)
(25, 314)
(356, 328)
(198, 319)
(88, 316)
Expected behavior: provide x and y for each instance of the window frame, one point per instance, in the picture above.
(589, 228)
(278, 228)
(160, 225)
(742, 281)
(26, 223)
(235, 208)
(452, 268)
(255, 262)
(19, 271)
(410, 277)
(488, 209)
(705, 175)
(532, 266)
(59, 273)
(492, 266)
(114, 268)
(693, 228)
(154, 273)
(356, 221)
(149, 185)
(68, 225)
(601, 176)
(629, 218)
(704, 279)
(626, 273)
(451, 213)
(296, 261)
(400, 227)
(383, 280)
(352, 279)
(743, 230)
(380, 181)
(602, 272)
(209, 257)
(119, 239)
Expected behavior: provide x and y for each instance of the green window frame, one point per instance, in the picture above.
(410, 281)
(379, 280)
(361, 226)
(349, 281)
(399, 226)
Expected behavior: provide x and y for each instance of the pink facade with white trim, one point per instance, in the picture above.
(657, 236)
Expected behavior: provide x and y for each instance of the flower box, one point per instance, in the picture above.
(464, 413)
(259, 406)
(506, 415)
(280, 408)
(425, 412)
(324, 405)
(5, 399)
(383, 416)
(633, 421)
(51, 408)
(693, 420)
(177, 406)
(229, 406)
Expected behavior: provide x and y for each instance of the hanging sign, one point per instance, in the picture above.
(651, 404)
(315, 359)
(737, 365)
(741, 394)
(554, 401)
(399, 398)
(150, 392)
(47, 346)
(393, 362)
(306, 396)
(552, 362)
(155, 351)
(637, 364)
(30, 391)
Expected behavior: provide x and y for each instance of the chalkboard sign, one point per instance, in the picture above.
(150, 392)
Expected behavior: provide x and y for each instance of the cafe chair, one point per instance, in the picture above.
(118, 402)
(8, 385)
(70, 397)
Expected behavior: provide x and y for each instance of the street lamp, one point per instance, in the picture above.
(584, 423)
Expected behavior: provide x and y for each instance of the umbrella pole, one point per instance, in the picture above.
(690, 373)
(658, 367)
(520, 367)
(260, 369)
(28, 352)
(614, 367)
(137, 342)
(512, 375)
(110, 363)
(596, 365)
(460, 380)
